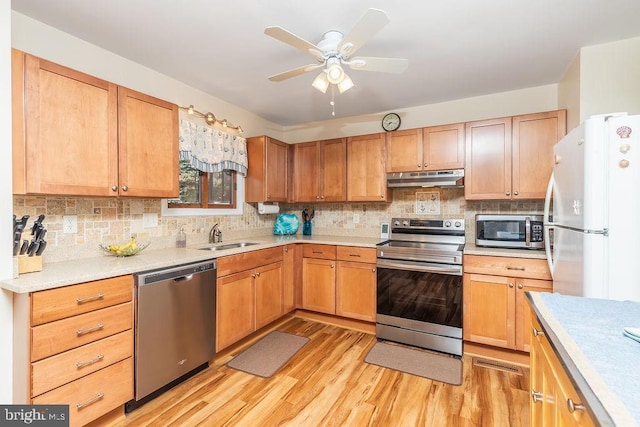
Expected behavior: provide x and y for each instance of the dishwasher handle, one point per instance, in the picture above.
(183, 278)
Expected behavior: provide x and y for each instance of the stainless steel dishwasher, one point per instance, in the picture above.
(175, 327)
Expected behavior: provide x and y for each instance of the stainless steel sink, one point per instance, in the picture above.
(227, 246)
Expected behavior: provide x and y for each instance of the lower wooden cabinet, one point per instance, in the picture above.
(554, 400)
(333, 283)
(251, 298)
(81, 346)
(495, 311)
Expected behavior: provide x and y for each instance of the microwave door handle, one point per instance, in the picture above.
(527, 231)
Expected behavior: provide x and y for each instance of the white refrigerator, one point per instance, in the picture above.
(593, 238)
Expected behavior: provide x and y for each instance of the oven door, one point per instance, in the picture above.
(421, 296)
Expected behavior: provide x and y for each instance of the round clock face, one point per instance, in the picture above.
(391, 122)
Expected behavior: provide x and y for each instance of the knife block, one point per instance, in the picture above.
(29, 264)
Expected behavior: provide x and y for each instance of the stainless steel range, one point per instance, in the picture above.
(419, 291)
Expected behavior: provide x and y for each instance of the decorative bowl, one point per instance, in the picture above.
(127, 249)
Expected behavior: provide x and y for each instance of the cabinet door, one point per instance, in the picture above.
(356, 290)
(269, 293)
(319, 285)
(276, 171)
(235, 309)
(267, 177)
(543, 388)
(534, 136)
(488, 160)
(404, 151)
(306, 161)
(333, 167)
(443, 147)
(71, 145)
(290, 280)
(366, 174)
(489, 310)
(147, 145)
(523, 311)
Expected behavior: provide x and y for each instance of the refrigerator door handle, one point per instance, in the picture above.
(548, 226)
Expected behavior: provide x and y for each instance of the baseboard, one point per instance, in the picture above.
(357, 325)
(519, 358)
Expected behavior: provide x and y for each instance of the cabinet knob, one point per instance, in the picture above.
(508, 193)
(511, 285)
(520, 286)
(333, 265)
(537, 333)
(382, 196)
(258, 274)
(114, 188)
(321, 197)
(373, 270)
(574, 406)
(125, 188)
(515, 193)
(536, 396)
(317, 197)
(418, 165)
(286, 249)
(253, 275)
(268, 196)
(425, 165)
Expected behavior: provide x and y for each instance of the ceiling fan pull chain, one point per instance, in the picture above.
(333, 103)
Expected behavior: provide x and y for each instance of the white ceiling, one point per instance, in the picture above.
(456, 48)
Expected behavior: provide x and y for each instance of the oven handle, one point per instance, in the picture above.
(420, 266)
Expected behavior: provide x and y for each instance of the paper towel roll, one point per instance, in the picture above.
(268, 209)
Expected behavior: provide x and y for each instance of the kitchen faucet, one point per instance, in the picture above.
(215, 235)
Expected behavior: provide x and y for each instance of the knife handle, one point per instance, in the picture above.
(24, 247)
(42, 245)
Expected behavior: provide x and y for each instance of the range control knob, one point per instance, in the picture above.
(458, 224)
(405, 223)
(447, 223)
(397, 223)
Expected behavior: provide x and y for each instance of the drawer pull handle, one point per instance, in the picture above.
(98, 327)
(90, 362)
(90, 401)
(89, 299)
(316, 252)
(356, 255)
(574, 406)
(516, 268)
(537, 333)
(536, 396)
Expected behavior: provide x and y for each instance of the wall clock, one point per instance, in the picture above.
(391, 122)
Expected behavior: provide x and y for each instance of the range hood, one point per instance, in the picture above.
(443, 178)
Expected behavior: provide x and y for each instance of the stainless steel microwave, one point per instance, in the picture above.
(510, 231)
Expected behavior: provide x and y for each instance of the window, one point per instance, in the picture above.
(203, 192)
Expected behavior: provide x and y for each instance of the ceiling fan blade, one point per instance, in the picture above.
(291, 39)
(369, 24)
(295, 72)
(384, 65)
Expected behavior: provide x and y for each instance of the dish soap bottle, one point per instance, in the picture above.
(181, 239)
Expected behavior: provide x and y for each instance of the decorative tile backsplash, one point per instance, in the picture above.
(115, 220)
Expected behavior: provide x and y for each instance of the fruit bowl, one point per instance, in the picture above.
(132, 247)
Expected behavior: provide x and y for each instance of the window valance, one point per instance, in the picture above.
(211, 150)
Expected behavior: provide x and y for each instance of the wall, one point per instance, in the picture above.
(569, 93)
(609, 78)
(6, 265)
(524, 101)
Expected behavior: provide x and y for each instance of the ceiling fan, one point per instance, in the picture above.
(336, 50)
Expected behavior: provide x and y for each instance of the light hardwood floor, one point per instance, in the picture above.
(327, 383)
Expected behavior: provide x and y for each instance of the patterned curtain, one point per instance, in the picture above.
(211, 150)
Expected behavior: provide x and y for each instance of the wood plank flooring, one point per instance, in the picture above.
(327, 383)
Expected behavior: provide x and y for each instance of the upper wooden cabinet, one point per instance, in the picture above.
(511, 158)
(268, 164)
(366, 172)
(432, 148)
(75, 134)
(320, 171)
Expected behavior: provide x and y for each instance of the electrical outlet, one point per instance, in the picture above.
(149, 220)
(356, 218)
(69, 224)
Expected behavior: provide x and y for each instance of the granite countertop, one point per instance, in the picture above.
(472, 249)
(587, 336)
(65, 273)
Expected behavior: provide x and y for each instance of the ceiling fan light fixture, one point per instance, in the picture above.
(345, 84)
(335, 73)
(321, 82)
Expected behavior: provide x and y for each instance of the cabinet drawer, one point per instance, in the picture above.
(94, 395)
(507, 266)
(248, 260)
(319, 251)
(356, 254)
(63, 368)
(65, 334)
(68, 301)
